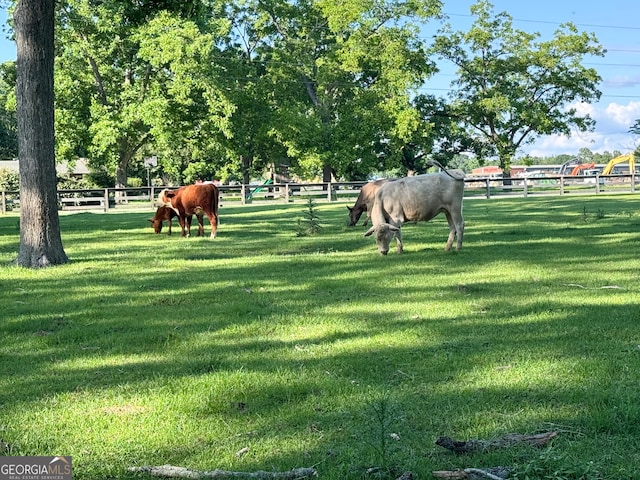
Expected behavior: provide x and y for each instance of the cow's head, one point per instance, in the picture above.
(156, 223)
(384, 233)
(354, 215)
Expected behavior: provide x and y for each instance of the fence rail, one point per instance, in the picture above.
(475, 187)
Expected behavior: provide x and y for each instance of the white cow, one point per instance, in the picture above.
(418, 198)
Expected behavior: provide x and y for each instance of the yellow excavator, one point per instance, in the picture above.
(628, 157)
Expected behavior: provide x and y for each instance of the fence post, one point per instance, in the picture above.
(3, 203)
(286, 193)
(597, 183)
(526, 185)
(151, 195)
(243, 193)
(487, 181)
(633, 182)
(106, 199)
(561, 184)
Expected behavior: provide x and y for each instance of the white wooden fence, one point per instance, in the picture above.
(475, 187)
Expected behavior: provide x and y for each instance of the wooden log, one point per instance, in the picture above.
(495, 473)
(406, 476)
(169, 471)
(474, 446)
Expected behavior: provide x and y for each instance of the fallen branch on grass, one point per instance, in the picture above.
(604, 287)
(496, 473)
(181, 472)
(473, 446)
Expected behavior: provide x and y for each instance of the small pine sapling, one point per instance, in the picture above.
(310, 224)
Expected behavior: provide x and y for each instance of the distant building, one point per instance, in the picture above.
(488, 171)
(80, 169)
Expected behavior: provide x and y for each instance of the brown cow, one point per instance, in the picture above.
(193, 200)
(364, 203)
(166, 213)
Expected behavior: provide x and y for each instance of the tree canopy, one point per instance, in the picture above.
(512, 87)
(216, 88)
(320, 88)
(8, 121)
(130, 81)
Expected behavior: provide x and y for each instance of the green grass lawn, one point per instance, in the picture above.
(318, 351)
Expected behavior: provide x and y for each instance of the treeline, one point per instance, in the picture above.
(309, 89)
(584, 155)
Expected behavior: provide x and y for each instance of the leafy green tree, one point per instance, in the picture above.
(191, 108)
(345, 71)
(585, 155)
(446, 138)
(94, 87)
(512, 87)
(9, 180)
(134, 78)
(8, 122)
(323, 86)
(246, 147)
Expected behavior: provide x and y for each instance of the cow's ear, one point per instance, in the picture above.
(151, 220)
(349, 208)
(369, 232)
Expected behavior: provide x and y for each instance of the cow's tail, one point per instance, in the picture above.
(215, 203)
(435, 163)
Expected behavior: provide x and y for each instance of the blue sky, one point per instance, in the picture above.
(615, 24)
(7, 47)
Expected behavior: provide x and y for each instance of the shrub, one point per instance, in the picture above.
(9, 180)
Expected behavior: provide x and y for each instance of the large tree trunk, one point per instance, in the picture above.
(245, 166)
(505, 164)
(124, 156)
(40, 240)
(121, 171)
(327, 173)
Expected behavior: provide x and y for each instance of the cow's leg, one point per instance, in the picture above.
(213, 220)
(398, 235)
(189, 221)
(182, 220)
(452, 231)
(456, 230)
(200, 218)
(459, 232)
(169, 222)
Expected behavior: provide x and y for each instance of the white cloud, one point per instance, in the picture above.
(584, 109)
(552, 145)
(623, 115)
(613, 121)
